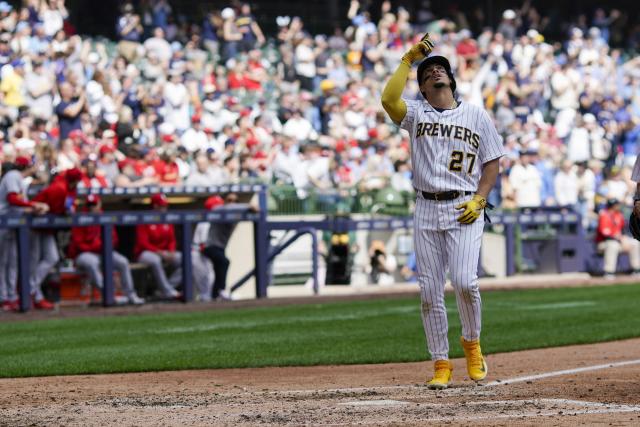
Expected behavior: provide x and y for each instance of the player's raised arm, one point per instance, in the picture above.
(392, 94)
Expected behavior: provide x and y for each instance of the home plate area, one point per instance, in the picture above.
(595, 384)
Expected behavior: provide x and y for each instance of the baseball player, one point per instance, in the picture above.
(86, 246)
(13, 199)
(216, 243)
(203, 272)
(455, 150)
(156, 247)
(59, 196)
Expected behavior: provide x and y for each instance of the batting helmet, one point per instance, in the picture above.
(634, 226)
(440, 60)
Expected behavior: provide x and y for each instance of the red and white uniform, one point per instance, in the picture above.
(152, 243)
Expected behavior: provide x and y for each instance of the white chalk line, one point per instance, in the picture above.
(466, 389)
(562, 372)
(590, 408)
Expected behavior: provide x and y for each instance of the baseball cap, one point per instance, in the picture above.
(106, 148)
(76, 133)
(5, 7)
(73, 175)
(509, 14)
(93, 199)
(22, 161)
(159, 200)
(612, 202)
(213, 202)
(25, 144)
(17, 63)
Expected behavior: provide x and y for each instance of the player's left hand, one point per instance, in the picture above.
(472, 209)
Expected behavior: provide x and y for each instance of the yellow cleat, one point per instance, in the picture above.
(476, 365)
(442, 375)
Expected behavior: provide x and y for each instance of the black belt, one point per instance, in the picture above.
(445, 195)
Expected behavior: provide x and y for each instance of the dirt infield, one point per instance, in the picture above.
(600, 385)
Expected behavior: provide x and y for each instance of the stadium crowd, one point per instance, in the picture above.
(204, 103)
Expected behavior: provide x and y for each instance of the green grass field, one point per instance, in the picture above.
(373, 331)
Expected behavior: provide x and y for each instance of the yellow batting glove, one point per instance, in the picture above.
(418, 51)
(472, 209)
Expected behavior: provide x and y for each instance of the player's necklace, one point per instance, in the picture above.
(454, 105)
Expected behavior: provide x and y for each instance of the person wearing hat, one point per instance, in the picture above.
(611, 241)
(195, 138)
(508, 27)
(13, 200)
(156, 247)
(455, 150)
(217, 240)
(107, 162)
(203, 272)
(85, 248)
(59, 196)
(92, 177)
(231, 35)
(12, 87)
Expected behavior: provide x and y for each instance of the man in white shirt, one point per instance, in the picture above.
(158, 46)
(299, 128)
(526, 181)
(39, 86)
(566, 185)
(176, 99)
(195, 138)
(204, 174)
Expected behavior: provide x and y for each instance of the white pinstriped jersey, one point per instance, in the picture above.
(635, 175)
(448, 148)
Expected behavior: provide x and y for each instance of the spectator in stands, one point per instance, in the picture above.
(611, 241)
(12, 87)
(59, 196)
(216, 243)
(92, 177)
(204, 174)
(156, 247)
(249, 28)
(13, 200)
(526, 182)
(231, 35)
(194, 138)
(566, 185)
(69, 109)
(85, 248)
(210, 37)
(39, 84)
(129, 30)
(159, 47)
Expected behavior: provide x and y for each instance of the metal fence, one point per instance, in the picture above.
(344, 212)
